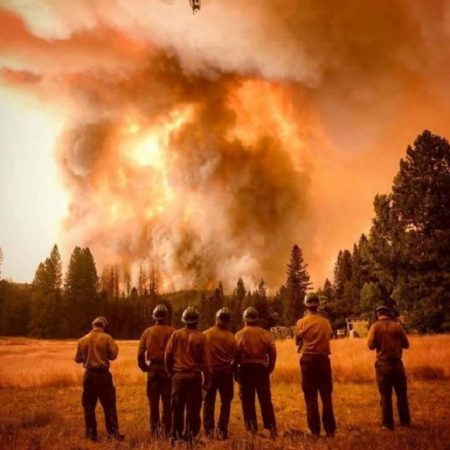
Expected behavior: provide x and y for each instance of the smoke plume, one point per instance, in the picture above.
(206, 146)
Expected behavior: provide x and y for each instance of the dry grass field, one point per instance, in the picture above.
(40, 400)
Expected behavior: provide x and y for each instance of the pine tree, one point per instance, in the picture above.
(361, 270)
(236, 304)
(46, 298)
(387, 253)
(277, 307)
(342, 272)
(297, 284)
(208, 306)
(420, 199)
(80, 291)
(261, 303)
(409, 242)
(370, 297)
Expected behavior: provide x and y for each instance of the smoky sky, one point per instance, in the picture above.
(207, 145)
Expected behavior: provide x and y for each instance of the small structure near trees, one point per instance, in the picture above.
(357, 326)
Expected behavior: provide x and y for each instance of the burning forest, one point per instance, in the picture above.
(204, 147)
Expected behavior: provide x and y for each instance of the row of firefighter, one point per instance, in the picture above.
(187, 368)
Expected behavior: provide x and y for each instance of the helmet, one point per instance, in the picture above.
(311, 300)
(160, 312)
(223, 315)
(100, 322)
(250, 315)
(190, 315)
(383, 309)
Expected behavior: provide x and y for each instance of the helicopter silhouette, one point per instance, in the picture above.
(195, 4)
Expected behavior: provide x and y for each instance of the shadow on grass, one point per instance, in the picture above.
(26, 420)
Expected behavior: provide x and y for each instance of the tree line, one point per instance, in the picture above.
(403, 262)
(57, 306)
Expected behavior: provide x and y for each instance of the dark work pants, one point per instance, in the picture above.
(98, 385)
(222, 381)
(186, 395)
(316, 379)
(391, 375)
(159, 387)
(255, 379)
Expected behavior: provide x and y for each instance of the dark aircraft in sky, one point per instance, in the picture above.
(195, 4)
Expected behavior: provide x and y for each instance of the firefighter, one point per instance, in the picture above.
(186, 361)
(313, 333)
(95, 350)
(152, 346)
(388, 338)
(221, 347)
(255, 356)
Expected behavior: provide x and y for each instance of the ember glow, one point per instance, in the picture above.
(205, 147)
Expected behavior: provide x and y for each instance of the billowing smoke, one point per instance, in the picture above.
(206, 146)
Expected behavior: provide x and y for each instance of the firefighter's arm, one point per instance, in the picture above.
(234, 363)
(405, 341)
(237, 356)
(142, 363)
(113, 349)
(330, 330)
(371, 338)
(238, 349)
(79, 355)
(272, 355)
(206, 365)
(168, 356)
(298, 338)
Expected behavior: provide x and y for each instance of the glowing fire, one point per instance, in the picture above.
(149, 146)
(165, 194)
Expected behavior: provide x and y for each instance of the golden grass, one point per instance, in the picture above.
(40, 408)
(28, 363)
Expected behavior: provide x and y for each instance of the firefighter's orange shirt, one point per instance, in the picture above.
(186, 351)
(221, 347)
(154, 341)
(96, 349)
(388, 338)
(313, 333)
(255, 345)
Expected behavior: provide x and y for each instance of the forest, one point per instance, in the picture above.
(403, 262)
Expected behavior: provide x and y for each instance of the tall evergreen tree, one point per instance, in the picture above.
(297, 284)
(420, 205)
(261, 303)
(80, 291)
(342, 272)
(15, 303)
(277, 305)
(46, 299)
(236, 304)
(387, 252)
